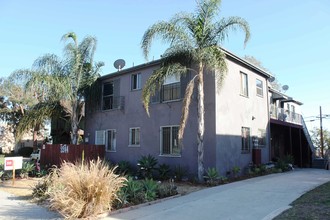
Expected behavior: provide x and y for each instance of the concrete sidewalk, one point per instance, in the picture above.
(13, 207)
(260, 198)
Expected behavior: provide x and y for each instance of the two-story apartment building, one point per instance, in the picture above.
(236, 118)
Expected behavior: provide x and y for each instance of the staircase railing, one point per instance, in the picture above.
(308, 137)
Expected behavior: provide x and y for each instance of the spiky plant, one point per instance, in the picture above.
(83, 190)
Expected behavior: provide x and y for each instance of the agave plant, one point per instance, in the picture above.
(146, 165)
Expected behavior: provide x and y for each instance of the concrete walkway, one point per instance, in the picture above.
(260, 198)
(13, 207)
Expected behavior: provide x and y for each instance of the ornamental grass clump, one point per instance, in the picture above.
(83, 190)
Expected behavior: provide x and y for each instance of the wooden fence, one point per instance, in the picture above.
(55, 154)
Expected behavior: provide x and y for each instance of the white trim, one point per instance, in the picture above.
(130, 137)
(138, 81)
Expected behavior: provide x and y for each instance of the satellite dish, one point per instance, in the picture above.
(271, 79)
(285, 87)
(119, 64)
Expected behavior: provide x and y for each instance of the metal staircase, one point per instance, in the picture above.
(308, 137)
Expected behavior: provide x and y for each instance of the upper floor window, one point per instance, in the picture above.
(260, 88)
(107, 102)
(134, 137)
(136, 81)
(244, 85)
(169, 141)
(245, 140)
(171, 89)
(262, 138)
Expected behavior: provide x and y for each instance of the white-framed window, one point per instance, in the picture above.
(134, 137)
(100, 137)
(169, 144)
(244, 84)
(260, 88)
(110, 140)
(136, 81)
(246, 146)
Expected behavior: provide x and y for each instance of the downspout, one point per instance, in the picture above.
(268, 127)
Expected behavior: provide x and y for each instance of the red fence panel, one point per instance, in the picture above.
(55, 154)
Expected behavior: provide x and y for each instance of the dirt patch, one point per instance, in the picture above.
(22, 187)
(186, 188)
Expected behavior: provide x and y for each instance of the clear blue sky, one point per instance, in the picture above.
(290, 37)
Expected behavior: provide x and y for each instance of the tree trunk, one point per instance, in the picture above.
(35, 136)
(74, 124)
(201, 126)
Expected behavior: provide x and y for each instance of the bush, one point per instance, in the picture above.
(236, 170)
(164, 171)
(146, 165)
(27, 167)
(39, 191)
(25, 151)
(83, 189)
(167, 189)
(212, 176)
(150, 188)
(124, 168)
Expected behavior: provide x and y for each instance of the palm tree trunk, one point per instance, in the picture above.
(201, 125)
(74, 124)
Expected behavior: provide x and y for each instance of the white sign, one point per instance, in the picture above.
(13, 163)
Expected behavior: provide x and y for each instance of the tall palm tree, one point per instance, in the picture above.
(194, 39)
(61, 84)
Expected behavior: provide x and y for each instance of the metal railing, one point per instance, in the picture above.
(285, 115)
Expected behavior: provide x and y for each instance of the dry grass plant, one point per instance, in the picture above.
(83, 190)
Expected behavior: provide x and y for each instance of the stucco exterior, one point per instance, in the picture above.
(226, 112)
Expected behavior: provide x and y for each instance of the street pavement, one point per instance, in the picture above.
(260, 198)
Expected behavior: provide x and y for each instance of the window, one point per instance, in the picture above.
(111, 140)
(262, 138)
(100, 137)
(245, 140)
(134, 137)
(107, 96)
(244, 85)
(260, 88)
(169, 141)
(136, 81)
(171, 88)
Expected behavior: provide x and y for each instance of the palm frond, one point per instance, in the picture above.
(222, 28)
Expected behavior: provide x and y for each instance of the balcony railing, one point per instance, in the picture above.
(285, 115)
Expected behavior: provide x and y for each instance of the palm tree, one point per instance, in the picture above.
(194, 39)
(61, 84)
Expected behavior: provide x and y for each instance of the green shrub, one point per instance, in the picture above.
(212, 176)
(39, 191)
(146, 166)
(288, 159)
(83, 190)
(236, 170)
(150, 188)
(166, 189)
(164, 171)
(27, 167)
(124, 168)
(133, 191)
(180, 172)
